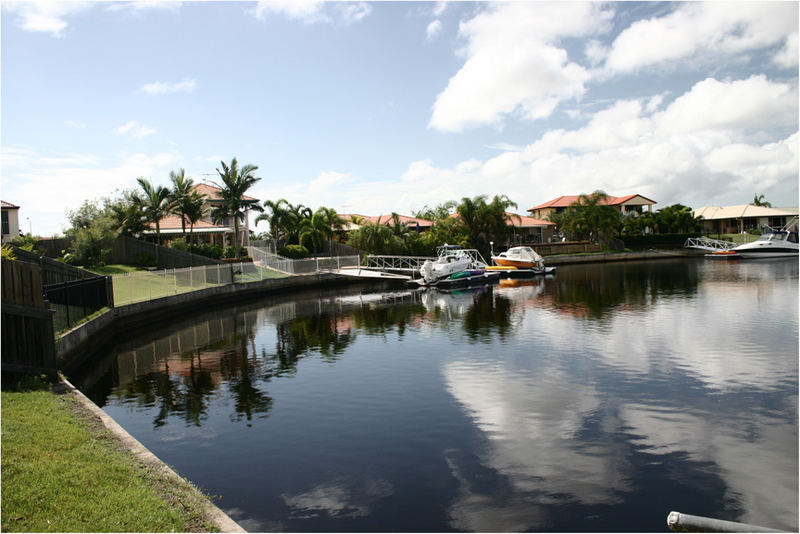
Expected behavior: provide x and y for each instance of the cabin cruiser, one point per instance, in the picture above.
(519, 257)
(451, 260)
(773, 243)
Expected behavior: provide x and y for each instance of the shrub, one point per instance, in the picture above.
(656, 240)
(179, 244)
(294, 252)
(8, 253)
(207, 250)
(230, 252)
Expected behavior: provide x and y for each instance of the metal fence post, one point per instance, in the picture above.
(175, 280)
(66, 301)
(130, 285)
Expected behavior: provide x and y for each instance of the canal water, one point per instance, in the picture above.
(598, 399)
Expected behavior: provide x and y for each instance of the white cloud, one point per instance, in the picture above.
(313, 11)
(47, 16)
(187, 85)
(514, 64)
(754, 103)
(434, 29)
(135, 129)
(75, 124)
(702, 31)
(37, 173)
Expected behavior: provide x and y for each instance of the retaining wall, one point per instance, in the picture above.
(70, 348)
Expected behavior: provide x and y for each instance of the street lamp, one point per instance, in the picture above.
(30, 231)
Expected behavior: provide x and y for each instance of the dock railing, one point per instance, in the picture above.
(395, 263)
(706, 243)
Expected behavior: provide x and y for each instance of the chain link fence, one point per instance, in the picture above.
(141, 286)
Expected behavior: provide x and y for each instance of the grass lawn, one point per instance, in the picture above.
(64, 472)
(114, 268)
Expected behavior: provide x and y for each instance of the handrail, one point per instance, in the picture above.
(706, 243)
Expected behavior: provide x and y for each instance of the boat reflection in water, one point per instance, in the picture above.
(596, 400)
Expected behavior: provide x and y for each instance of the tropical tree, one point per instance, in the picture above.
(315, 229)
(155, 203)
(235, 183)
(127, 214)
(677, 218)
(193, 210)
(590, 216)
(183, 196)
(485, 222)
(758, 200)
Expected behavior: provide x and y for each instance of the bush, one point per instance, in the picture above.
(207, 250)
(657, 240)
(230, 252)
(294, 252)
(8, 253)
(179, 244)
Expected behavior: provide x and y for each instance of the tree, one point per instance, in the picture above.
(677, 218)
(127, 214)
(93, 232)
(154, 205)
(758, 200)
(235, 183)
(590, 215)
(184, 197)
(485, 222)
(315, 229)
(194, 210)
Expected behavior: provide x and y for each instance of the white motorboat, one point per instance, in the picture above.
(451, 259)
(519, 257)
(773, 243)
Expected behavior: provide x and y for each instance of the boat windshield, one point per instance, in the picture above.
(773, 236)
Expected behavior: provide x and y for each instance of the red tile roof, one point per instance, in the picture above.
(523, 221)
(566, 201)
(174, 222)
(213, 192)
(386, 219)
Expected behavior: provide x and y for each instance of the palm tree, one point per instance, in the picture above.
(194, 210)
(235, 183)
(182, 196)
(590, 216)
(758, 200)
(154, 205)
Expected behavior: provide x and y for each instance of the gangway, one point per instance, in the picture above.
(711, 245)
(403, 264)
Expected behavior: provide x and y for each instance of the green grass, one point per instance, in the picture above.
(64, 472)
(112, 269)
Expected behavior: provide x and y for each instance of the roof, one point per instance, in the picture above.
(386, 219)
(742, 211)
(523, 221)
(213, 192)
(8, 205)
(172, 224)
(567, 200)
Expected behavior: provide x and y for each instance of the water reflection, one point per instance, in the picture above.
(598, 399)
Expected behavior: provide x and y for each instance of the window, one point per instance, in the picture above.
(6, 226)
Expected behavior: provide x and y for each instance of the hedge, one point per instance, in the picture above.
(656, 240)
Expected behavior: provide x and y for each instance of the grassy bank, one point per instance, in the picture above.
(62, 471)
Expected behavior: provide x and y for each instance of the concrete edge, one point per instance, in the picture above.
(222, 520)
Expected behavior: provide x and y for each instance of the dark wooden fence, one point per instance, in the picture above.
(568, 247)
(132, 251)
(27, 324)
(53, 271)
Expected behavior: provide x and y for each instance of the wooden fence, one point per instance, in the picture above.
(53, 271)
(568, 247)
(136, 252)
(28, 343)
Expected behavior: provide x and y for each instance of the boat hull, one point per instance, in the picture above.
(520, 264)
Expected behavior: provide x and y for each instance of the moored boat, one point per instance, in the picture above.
(773, 243)
(520, 257)
(451, 259)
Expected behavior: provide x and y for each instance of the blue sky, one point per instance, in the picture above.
(391, 106)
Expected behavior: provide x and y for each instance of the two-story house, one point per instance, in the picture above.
(10, 221)
(206, 230)
(628, 204)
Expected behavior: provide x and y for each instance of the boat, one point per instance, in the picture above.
(520, 257)
(470, 278)
(773, 243)
(450, 260)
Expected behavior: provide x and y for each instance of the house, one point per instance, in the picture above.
(739, 219)
(10, 221)
(529, 229)
(628, 204)
(206, 230)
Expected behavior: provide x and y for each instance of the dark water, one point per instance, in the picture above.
(599, 399)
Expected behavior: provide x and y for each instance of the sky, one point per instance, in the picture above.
(380, 107)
